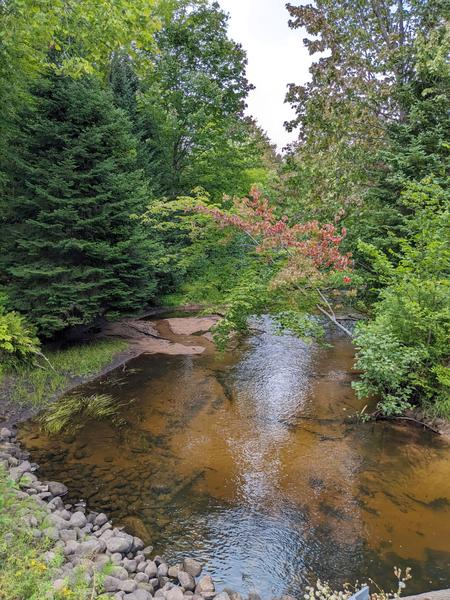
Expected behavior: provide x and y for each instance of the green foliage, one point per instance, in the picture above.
(36, 384)
(404, 349)
(189, 108)
(18, 341)
(70, 252)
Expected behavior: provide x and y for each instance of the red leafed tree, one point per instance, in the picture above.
(312, 250)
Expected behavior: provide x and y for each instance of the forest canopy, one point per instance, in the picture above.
(131, 175)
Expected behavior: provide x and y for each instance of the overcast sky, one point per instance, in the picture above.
(276, 57)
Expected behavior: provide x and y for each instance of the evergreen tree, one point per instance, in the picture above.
(70, 251)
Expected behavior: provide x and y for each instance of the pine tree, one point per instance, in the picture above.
(70, 252)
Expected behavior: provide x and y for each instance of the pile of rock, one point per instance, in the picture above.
(90, 542)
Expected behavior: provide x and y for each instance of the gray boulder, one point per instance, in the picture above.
(192, 566)
(187, 581)
(206, 584)
(112, 584)
(78, 519)
(174, 594)
(57, 489)
(118, 544)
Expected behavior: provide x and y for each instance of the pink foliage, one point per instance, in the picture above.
(318, 243)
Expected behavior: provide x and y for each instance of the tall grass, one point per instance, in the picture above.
(34, 385)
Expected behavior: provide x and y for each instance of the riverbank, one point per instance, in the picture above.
(25, 392)
(54, 550)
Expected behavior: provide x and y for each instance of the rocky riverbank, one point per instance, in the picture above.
(90, 545)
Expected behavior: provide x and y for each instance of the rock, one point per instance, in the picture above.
(254, 596)
(100, 519)
(138, 544)
(119, 544)
(151, 569)
(222, 596)
(234, 595)
(112, 584)
(116, 558)
(158, 559)
(206, 584)
(51, 533)
(188, 582)
(173, 571)
(162, 570)
(90, 547)
(174, 594)
(119, 572)
(5, 433)
(78, 519)
(17, 472)
(141, 578)
(128, 585)
(130, 565)
(70, 547)
(67, 535)
(147, 550)
(192, 566)
(287, 597)
(139, 595)
(57, 489)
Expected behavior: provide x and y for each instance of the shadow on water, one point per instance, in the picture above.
(245, 462)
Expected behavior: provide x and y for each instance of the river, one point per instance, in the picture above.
(246, 462)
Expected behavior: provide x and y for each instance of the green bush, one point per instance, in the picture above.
(403, 352)
(18, 342)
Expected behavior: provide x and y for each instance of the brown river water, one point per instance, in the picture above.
(245, 461)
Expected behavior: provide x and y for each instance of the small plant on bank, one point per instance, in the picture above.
(323, 590)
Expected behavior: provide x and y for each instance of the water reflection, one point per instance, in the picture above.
(245, 462)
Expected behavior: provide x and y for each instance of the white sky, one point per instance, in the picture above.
(276, 57)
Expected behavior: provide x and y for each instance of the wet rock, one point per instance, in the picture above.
(254, 596)
(57, 489)
(192, 566)
(187, 581)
